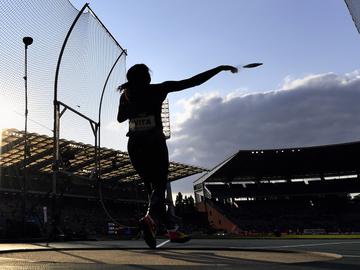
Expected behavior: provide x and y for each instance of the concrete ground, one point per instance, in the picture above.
(197, 254)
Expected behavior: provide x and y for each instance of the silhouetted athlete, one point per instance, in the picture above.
(141, 103)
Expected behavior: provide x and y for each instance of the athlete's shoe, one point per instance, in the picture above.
(148, 226)
(176, 236)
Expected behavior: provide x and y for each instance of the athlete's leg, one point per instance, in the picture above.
(149, 156)
(157, 175)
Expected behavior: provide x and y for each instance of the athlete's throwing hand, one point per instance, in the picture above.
(231, 68)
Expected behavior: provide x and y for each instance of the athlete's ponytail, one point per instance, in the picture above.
(123, 87)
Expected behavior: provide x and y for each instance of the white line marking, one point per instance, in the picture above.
(302, 245)
(163, 243)
(3, 259)
(351, 256)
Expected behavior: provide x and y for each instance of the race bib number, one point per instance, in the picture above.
(142, 123)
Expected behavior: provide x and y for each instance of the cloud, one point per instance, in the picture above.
(314, 110)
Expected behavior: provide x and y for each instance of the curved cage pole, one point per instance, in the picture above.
(57, 114)
(95, 126)
(98, 142)
(103, 92)
(57, 104)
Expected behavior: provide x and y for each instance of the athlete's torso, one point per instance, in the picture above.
(144, 110)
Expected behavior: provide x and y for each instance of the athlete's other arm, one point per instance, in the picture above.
(196, 80)
(122, 112)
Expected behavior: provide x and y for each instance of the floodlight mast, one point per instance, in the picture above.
(27, 41)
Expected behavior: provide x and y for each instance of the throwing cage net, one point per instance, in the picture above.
(67, 79)
(88, 58)
(354, 8)
(74, 61)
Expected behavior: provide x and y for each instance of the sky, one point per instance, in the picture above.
(305, 94)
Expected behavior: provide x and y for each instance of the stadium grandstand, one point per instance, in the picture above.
(295, 190)
(78, 208)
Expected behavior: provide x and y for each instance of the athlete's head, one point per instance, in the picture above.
(138, 75)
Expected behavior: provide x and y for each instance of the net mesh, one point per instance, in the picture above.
(354, 8)
(87, 60)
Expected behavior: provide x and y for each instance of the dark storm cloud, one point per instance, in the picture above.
(315, 110)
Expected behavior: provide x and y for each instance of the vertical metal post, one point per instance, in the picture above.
(24, 177)
(56, 145)
(96, 131)
(26, 110)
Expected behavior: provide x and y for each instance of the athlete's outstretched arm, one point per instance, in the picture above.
(196, 80)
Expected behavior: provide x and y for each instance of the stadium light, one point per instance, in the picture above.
(27, 41)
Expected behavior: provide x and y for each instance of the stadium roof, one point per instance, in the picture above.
(77, 158)
(289, 163)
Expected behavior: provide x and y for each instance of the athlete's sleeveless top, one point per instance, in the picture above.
(144, 111)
